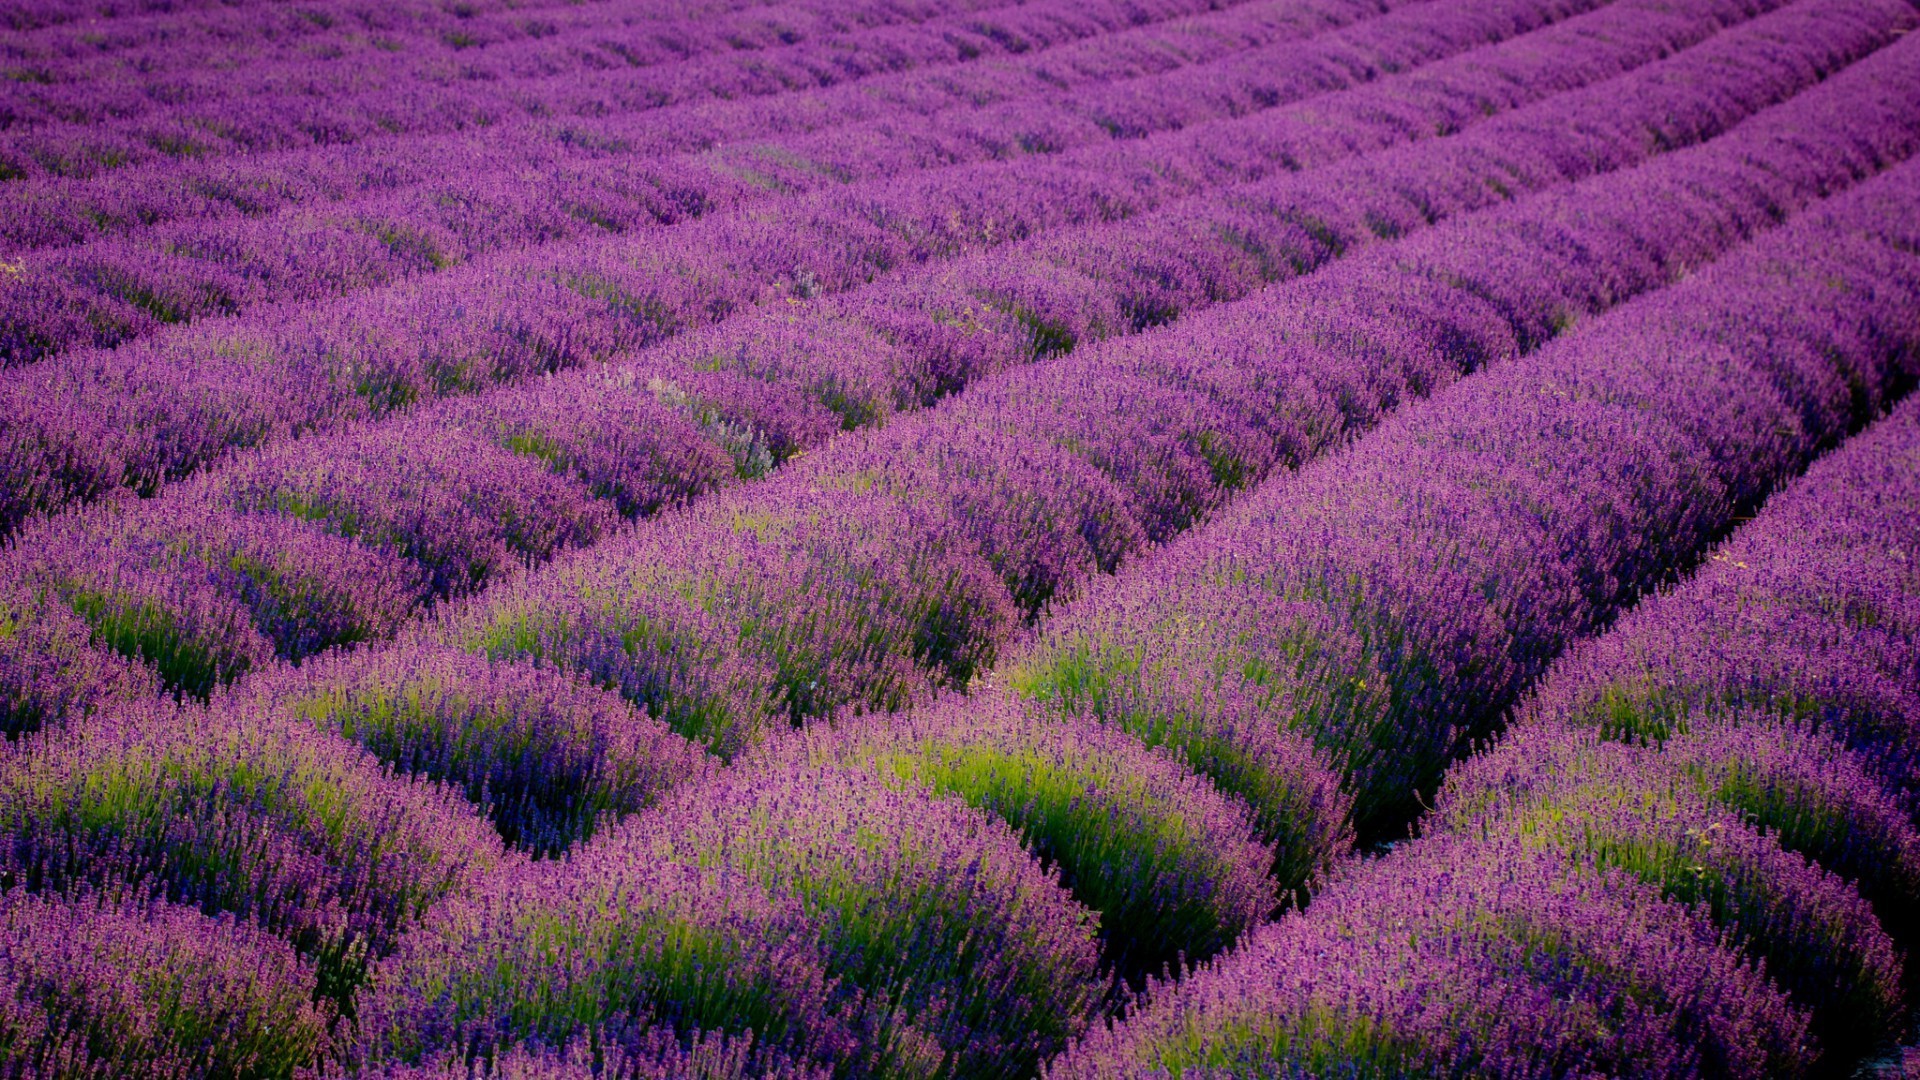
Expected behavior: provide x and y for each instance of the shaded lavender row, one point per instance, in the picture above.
(57, 211)
(90, 425)
(548, 759)
(1175, 868)
(246, 810)
(353, 98)
(96, 988)
(1471, 540)
(104, 294)
(816, 910)
(1807, 617)
(1457, 959)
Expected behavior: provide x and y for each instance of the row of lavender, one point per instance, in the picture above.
(231, 576)
(1737, 753)
(73, 25)
(477, 202)
(924, 876)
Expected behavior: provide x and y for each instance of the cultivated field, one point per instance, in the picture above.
(959, 538)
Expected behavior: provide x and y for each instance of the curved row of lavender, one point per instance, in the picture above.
(96, 421)
(955, 891)
(474, 481)
(1736, 752)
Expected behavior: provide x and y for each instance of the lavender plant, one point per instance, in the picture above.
(90, 987)
(550, 760)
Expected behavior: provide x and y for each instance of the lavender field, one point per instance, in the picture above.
(549, 539)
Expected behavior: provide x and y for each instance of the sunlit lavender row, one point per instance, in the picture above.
(959, 538)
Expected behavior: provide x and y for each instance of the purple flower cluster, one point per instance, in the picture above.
(1464, 959)
(1172, 866)
(813, 910)
(245, 811)
(90, 987)
(51, 670)
(609, 949)
(548, 757)
(960, 945)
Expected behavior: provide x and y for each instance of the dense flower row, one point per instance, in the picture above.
(90, 987)
(139, 416)
(1704, 748)
(548, 758)
(1521, 508)
(245, 809)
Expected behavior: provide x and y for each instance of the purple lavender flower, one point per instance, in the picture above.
(958, 941)
(548, 758)
(614, 949)
(1463, 958)
(1629, 808)
(245, 811)
(1172, 867)
(51, 670)
(91, 987)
